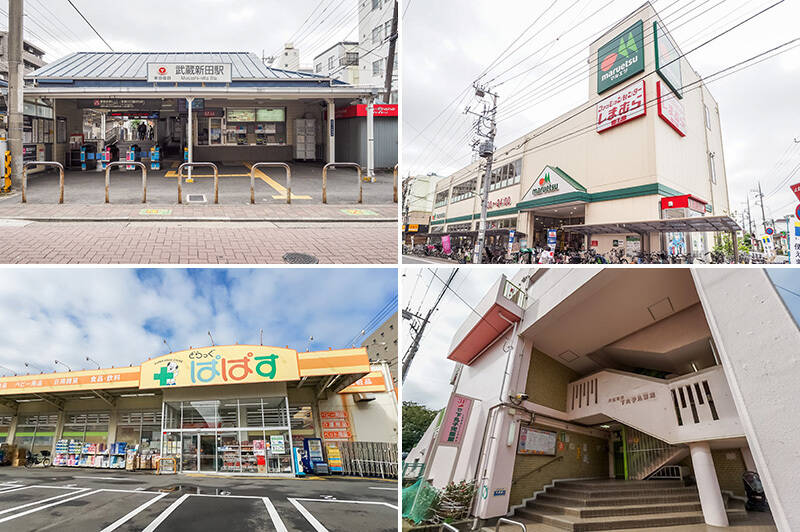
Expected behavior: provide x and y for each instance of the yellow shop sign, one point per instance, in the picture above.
(225, 364)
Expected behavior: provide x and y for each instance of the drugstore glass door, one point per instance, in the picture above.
(208, 452)
(189, 452)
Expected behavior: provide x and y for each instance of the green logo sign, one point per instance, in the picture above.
(621, 58)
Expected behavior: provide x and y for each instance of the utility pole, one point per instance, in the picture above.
(749, 217)
(486, 120)
(419, 328)
(15, 81)
(390, 58)
(761, 202)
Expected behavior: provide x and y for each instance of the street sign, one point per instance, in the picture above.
(770, 231)
(794, 240)
(797, 212)
(796, 190)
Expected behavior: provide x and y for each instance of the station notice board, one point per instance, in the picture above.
(535, 441)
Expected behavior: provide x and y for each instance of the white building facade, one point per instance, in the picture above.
(340, 61)
(577, 375)
(374, 31)
(645, 147)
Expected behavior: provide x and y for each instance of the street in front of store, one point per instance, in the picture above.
(58, 499)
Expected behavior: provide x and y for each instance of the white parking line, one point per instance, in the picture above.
(8, 510)
(125, 518)
(105, 478)
(273, 514)
(163, 515)
(10, 517)
(310, 518)
(349, 502)
(376, 488)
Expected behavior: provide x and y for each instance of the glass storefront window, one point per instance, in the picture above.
(140, 428)
(228, 413)
(199, 414)
(36, 433)
(172, 415)
(88, 427)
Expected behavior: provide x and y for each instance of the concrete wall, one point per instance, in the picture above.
(548, 381)
(592, 462)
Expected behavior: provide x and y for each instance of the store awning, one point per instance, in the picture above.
(699, 224)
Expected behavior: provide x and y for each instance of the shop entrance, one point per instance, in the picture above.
(543, 219)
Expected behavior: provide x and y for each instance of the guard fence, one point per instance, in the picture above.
(369, 459)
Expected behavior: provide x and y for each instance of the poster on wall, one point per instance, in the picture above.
(535, 441)
(668, 64)
(622, 106)
(455, 420)
(277, 445)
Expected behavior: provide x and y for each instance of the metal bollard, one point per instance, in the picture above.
(272, 165)
(190, 165)
(43, 163)
(134, 163)
(341, 165)
(395, 183)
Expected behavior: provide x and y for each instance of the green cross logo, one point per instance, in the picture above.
(629, 46)
(163, 376)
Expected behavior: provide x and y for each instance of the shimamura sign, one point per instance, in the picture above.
(230, 364)
(622, 106)
(189, 72)
(620, 58)
(671, 110)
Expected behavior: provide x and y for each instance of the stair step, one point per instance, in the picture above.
(616, 501)
(608, 492)
(606, 483)
(610, 511)
(577, 524)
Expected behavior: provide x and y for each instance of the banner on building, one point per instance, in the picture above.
(446, 244)
(455, 420)
(100, 379)
(621, 58)
(622, 106)
(794, 241)
(671, 110)
(371, 382)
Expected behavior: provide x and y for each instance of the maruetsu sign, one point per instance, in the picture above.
(621, 58)
(189, 72)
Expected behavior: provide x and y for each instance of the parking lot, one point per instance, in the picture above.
(67, 499)
(125, 186)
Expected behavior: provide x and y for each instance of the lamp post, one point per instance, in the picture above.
(63, 364)
(166, 344)
(93, 362)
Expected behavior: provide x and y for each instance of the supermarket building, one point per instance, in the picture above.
(623, 170)
(204, 406)
(615, 382)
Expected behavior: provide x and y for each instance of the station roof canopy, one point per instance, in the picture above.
(95, 74)
(699, 224)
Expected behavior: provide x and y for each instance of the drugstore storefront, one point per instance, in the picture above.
(218, 409)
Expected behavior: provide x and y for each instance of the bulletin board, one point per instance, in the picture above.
(535, 441)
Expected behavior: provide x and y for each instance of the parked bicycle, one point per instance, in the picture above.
(42, 457)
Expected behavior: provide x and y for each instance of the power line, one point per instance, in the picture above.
(90, 25)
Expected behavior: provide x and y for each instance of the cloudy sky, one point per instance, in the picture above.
(182, 25)
(428, 380)
(121, 316)
(448, 44)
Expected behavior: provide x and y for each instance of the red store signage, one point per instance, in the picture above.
(671, 110)
(622, 106)
(360, 109)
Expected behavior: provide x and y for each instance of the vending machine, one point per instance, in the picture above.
(315, 458)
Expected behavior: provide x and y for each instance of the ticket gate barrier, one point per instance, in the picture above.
(155, 158)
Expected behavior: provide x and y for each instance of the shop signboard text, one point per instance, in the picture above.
(671, 110)
(622, 106)
(621, 58)
(189, 72)
(455, 420)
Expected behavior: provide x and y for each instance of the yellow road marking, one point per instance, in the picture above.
(173, 173)
(274, 184)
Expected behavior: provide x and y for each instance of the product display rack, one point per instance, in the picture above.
(238, 458)
(75, 453)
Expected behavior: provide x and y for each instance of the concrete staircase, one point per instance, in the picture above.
(615, 505)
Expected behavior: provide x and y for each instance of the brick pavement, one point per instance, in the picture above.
(196, 242)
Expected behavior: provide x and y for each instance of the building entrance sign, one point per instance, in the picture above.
(189, 72)
(220, 365)
(551, 182)
(621, 58)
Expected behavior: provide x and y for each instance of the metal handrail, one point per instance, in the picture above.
(556, 459)
(126, 163)
(192, 165)
(448, 526)
(395, 183)
(273, 165)
(510, 522)
(342, 165)
(43, 163)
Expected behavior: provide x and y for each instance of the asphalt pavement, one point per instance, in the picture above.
(72, 500)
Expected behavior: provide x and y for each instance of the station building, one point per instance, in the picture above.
(631, 168)
(220, 107)
(651, 391)
(207, 407)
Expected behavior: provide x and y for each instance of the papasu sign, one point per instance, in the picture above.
(189, 72)
(622, 106)
(620, 58)
(670, 109)
(455, 420)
